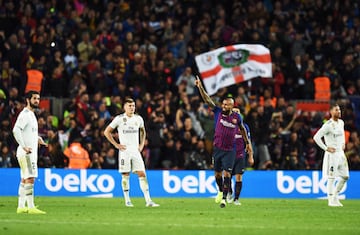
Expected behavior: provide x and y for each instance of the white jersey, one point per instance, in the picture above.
(128, 129)
(26, 130)
(333, 133)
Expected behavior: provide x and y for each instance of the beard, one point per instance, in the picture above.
(34, 106)
(226, 112)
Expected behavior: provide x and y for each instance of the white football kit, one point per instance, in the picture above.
(334, 164)
(26, 134)
(128, 129)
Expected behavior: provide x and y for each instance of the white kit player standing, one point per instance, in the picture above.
(335, 162)
(129, 126)
(26, 134)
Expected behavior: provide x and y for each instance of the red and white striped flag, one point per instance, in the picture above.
(233, 64)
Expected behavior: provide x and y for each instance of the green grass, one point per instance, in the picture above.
(178, 216)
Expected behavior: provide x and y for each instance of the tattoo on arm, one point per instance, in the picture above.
(244, 133)
(206, 97)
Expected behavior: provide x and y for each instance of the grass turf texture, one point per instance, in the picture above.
(175, 216)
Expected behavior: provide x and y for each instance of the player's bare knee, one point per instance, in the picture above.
(345, 178)
(141, 173)
(29, 181)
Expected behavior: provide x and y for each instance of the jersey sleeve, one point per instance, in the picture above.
(319, 134)
(18, 127)
(216, 110)
(141, 122)
(21, 121)
(240, 119)
(115, 122)
(247, 128)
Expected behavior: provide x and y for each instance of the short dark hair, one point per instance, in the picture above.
(333, 105)
(29, 94)
(129, 100)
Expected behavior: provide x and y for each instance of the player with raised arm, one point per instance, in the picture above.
(240, 163)
(26, 134)
(132, 134)
(227, 123)
(331, 138)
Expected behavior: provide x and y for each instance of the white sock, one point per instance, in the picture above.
(29, 195)
(145, 188)
(126, 187)
(330, 187)
(340, 185)
(21, 193)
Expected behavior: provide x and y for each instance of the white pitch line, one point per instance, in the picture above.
(228, 225)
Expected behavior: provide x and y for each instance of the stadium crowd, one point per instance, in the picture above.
(95, 53)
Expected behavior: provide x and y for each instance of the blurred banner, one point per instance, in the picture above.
(107, 183)
(233, 64)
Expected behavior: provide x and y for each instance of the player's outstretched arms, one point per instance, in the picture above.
(205, 96)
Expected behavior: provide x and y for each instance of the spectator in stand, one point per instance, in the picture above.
(311, 155)
(155, 128)
(57, 157)
(78, 156)
(206, 117)
(198, 158)
(85, 48)
(259, 121)
(103, 111)
(337, 89)
(110, 161)
(6, 158)
(293, 154)
(82, 106)
(188, 79)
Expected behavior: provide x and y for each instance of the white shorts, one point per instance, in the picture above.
(335, 165)
(130, 161)
(28, 165)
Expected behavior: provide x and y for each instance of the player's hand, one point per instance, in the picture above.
(331, 149)
(121, 147)
(251, 159)
(42, 142)
(249, 149)
(27, 150)
(197, 82)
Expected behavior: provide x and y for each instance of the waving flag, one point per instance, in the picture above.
(229, 65)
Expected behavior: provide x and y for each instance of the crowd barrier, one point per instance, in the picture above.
(164, 183)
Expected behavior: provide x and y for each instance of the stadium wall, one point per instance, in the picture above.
(107, 183)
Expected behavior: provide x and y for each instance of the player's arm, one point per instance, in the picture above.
(17, 132)
(246, 138)
(203, 93)
(108, 134)
(250, 155)
(142, 138)
(319, 141)
(41, 141)
(343, 137)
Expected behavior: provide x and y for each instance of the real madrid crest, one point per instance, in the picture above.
(124, 120)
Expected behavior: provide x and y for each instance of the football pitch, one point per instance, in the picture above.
(175, 216)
